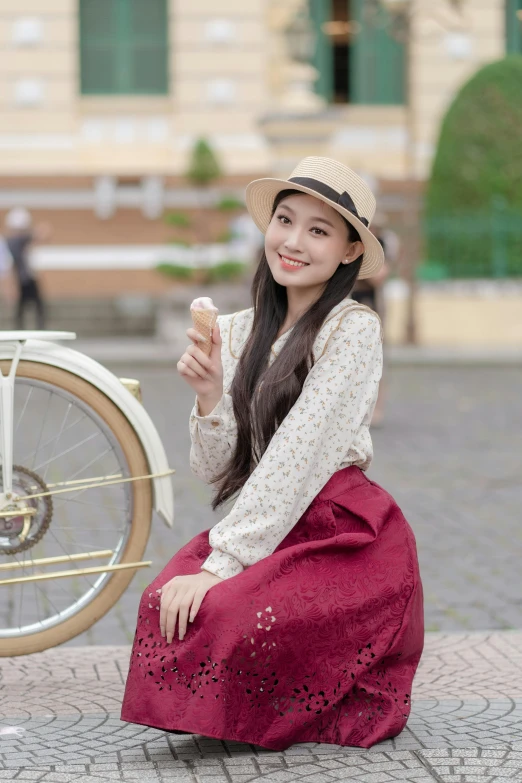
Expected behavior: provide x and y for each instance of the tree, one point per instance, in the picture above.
(204, 166)
(474, 198)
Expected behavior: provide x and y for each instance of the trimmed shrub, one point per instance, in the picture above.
(226, 271)
(177, 271)
(177, 219)
(230, 204)
(204, 166)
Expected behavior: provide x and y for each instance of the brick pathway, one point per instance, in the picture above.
(466, 725)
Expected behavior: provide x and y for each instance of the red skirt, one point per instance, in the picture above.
(318, 642)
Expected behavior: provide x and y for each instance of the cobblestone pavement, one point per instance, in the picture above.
(449, 452)
(466, 725)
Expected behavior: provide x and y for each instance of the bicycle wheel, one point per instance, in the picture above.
(66, 430)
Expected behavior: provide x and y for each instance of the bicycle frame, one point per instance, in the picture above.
(6, 424)
(35, 346)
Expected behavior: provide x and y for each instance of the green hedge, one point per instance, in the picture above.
(473, 217)
(226, 271)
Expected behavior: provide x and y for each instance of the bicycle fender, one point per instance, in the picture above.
(99, 376)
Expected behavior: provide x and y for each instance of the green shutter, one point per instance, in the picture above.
(124, 47)
(98, 51)
(320, 12)
(377, 60)
(513, 27)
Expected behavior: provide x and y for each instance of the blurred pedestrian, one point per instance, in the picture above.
(20, 236)
(247, 239)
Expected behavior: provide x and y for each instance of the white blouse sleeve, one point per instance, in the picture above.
(213, 437)
(338, 395)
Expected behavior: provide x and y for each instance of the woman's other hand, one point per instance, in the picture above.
(181, 599)
(203, 373)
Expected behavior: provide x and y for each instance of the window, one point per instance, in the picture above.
(123, 47)
(358, 59)
(514, 26)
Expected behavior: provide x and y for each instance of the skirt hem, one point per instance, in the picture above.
(234, 738)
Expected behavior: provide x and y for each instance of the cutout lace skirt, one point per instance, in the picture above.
(318, 642)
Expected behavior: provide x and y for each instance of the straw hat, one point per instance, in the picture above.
(333, 183)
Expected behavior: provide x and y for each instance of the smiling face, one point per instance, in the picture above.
(306, 241)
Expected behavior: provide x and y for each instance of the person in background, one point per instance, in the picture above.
(247, 237)
(19, 236)
(369, 292)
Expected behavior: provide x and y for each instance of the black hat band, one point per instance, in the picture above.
(342, 199)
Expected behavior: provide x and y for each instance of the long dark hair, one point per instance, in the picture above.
(263, 395)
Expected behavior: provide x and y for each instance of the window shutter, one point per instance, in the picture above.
(148, 46)
(98, 46)
(378, 60)
(513, 27)
(124, 47)
(320, 12)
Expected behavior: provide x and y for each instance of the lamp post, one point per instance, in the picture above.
(300, 43)
(301, 38)
(400, 16)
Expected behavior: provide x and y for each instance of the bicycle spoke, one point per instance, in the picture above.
(36, 585)
(44, 419)
(36, 601)
(92, 462)
(24, 459)
(91, 529)
(73, 564)
(21, 602)
(75, 493)
(65, 499)
(57, 438)
(23, 410)
(67, 451)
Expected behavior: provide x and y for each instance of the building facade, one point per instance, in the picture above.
(102, 100)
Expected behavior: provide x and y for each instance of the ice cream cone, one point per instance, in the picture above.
(204, 322)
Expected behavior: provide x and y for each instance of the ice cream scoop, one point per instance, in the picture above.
(204, 316)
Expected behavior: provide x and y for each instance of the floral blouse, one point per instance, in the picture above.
(326, 430)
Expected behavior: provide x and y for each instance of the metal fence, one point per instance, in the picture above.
(486, 245)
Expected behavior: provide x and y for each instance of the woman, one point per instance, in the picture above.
(299, 616)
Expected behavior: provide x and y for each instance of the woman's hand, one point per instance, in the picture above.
(182, 595)
(203, 373)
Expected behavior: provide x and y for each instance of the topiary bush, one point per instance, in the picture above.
(204, 166)
(473, 217)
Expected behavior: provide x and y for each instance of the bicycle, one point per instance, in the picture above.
(82, 469)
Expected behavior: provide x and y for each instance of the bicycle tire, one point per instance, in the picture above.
(142, 509)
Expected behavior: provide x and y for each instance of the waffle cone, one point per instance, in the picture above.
(204, 321)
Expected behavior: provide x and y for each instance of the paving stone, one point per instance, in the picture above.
(467, 697)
